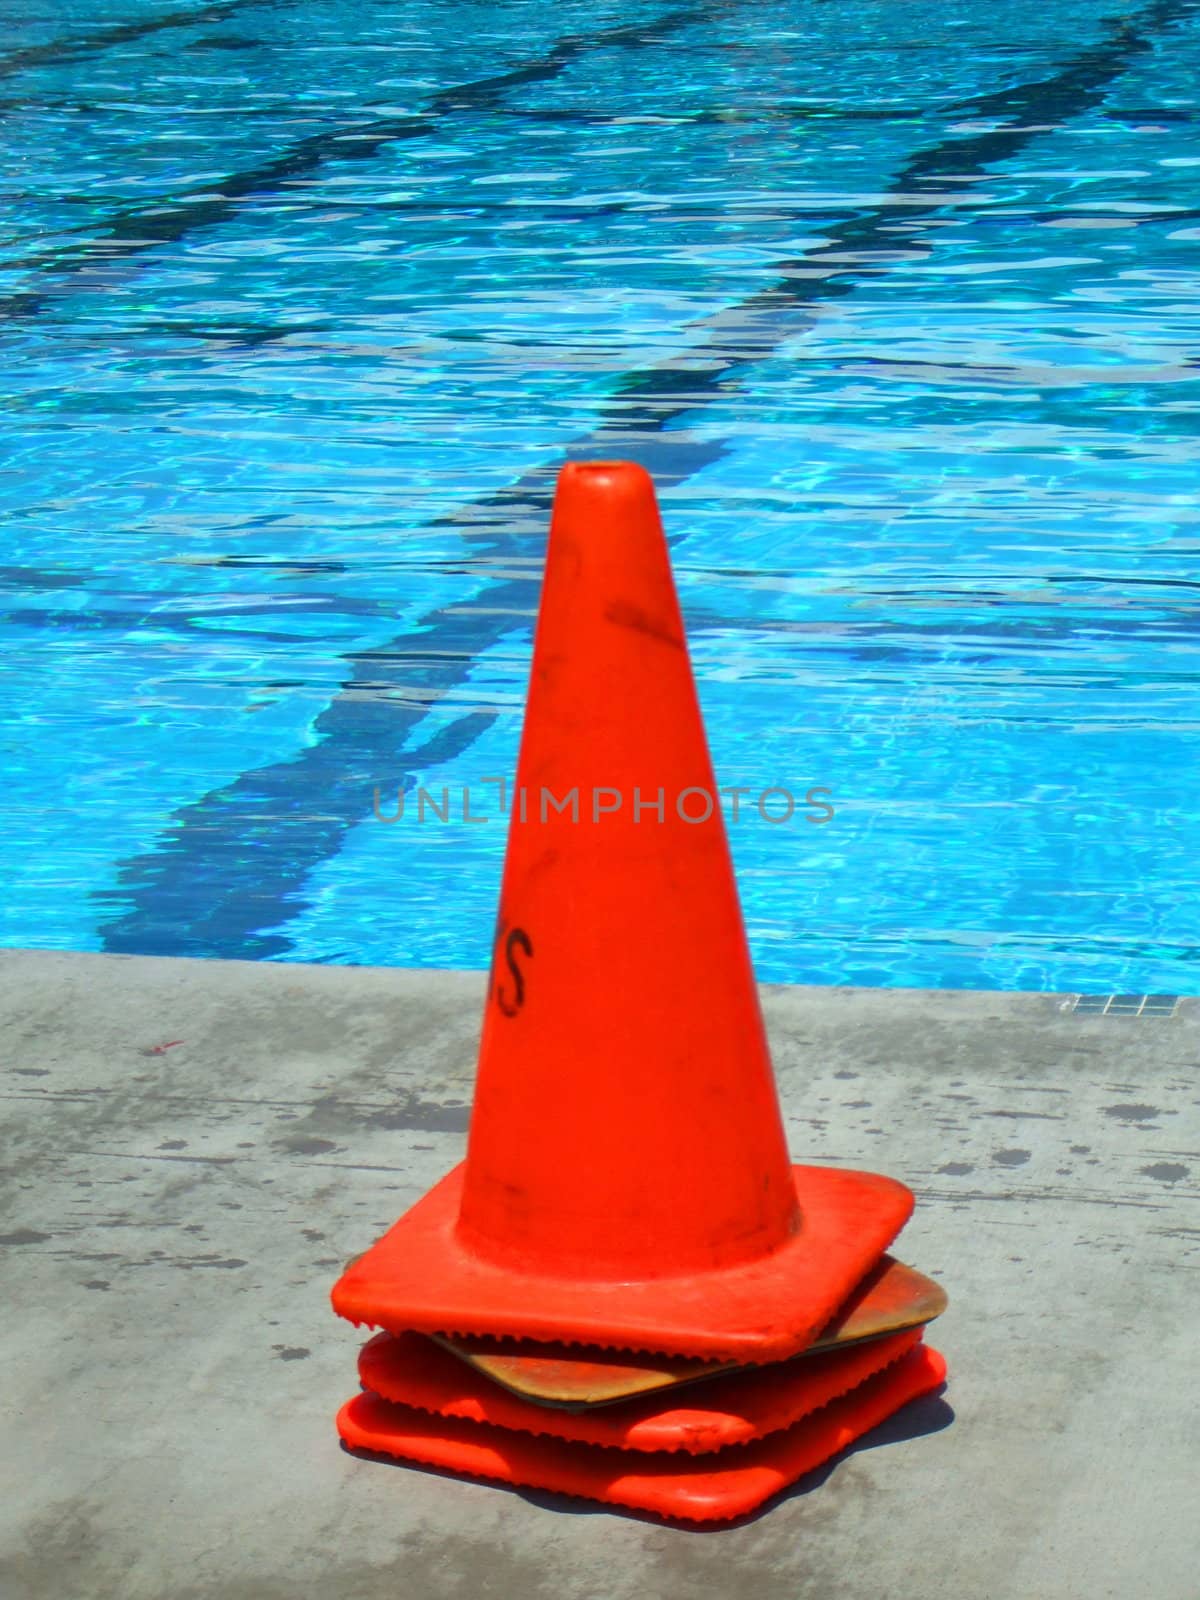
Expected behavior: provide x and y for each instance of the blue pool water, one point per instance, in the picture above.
(304, 303)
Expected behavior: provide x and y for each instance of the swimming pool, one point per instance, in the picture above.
(305, 303)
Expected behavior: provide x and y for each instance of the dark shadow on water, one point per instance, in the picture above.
(930, 1414)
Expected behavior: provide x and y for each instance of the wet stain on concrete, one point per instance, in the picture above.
(1132, 1113)
(1010, 1158)
(300, 1144)
(31, 1072)
(173, 1144)
(1029, 1116)
(24, 1236)
(291, 1352)
(425, 1116)
(1165, 1171)
(95, 1283)
(956, 1169)
(205, 1261)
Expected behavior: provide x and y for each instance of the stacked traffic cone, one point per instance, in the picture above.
(627, 1186)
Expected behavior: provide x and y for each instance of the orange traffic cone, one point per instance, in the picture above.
(627, 1185)
(627, 1181)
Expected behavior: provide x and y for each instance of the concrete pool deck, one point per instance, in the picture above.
(193, 1149)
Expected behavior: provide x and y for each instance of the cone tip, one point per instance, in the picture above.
(603, 480)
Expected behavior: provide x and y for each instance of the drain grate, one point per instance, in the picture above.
(1125, 1005)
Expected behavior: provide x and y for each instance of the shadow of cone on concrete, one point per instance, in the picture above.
(627, 1183)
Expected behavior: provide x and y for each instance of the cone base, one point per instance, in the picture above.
(890, 1299)
(410, 1370)
(420, 1276)
(695, 1489)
